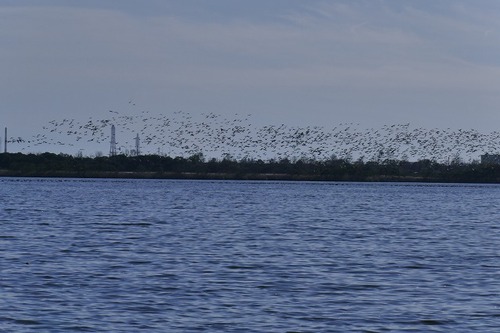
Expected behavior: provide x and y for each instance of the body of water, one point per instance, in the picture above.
(233, 256)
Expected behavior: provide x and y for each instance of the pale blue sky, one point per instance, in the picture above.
(430, 63)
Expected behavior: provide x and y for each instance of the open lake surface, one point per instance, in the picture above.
(101, 255)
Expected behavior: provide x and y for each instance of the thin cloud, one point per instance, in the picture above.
(358, 57)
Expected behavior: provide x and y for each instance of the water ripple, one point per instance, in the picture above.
(209, 256)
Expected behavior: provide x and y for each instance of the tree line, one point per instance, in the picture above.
(196, 166)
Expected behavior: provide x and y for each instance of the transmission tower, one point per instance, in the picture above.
(137, 141)
(112, 148)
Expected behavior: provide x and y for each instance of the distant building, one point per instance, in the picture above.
(490, 159)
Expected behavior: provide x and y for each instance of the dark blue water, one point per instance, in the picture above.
(215, 256)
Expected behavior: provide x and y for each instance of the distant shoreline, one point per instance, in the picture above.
(196, 167)
(227, 176)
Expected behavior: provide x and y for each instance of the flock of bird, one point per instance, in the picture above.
(215, 136)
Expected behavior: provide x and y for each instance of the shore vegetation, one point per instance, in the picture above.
(198, 167)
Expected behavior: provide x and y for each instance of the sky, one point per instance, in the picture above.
(430, 63)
